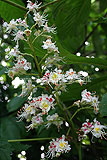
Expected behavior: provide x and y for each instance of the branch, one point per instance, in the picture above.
(89, 35)
(15, 4)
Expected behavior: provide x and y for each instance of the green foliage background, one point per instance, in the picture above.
(77, 21)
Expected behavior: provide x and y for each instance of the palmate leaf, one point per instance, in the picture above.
(9, 12)
(70, 17)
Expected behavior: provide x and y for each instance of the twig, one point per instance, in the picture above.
(89, 35)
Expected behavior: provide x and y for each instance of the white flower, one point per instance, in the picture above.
(95, 103)
(50, 46)
(71, 75)
(98, 130)
(45, 103)
(87, 127)
(20, 67)
(39, 19)
(26, 112)
(27, 87)
(56, 76)
(35, 122)
(62, 145)
(11, 26)
(94, 127)
(54, 119)
(52, 60)
(13, 52)
(5, 24)
(82, 73)
(22, 64)
(32, 6)
(58, 146)
(22, 23)
(19, 35)
(49, 29)
(86, 96)
(90, 98)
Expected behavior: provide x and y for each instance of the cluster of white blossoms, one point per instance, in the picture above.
(95, 128)
(13, 52)
(34, 111)
(49, 45)
(17, 28)
(57, 77)
(42, 104)
(20, 67)
(90, 98)
(57, 147)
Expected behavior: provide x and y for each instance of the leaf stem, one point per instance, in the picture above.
(29, 140)
(37, 37)
(15, 4)
(43, 59)
(70, 107)
(79, 110)
(79, 152)
(35, 58)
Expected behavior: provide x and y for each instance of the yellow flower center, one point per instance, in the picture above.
(54, 76)
(29, 108)
(97, 129)
(62, 144)
(45, 105)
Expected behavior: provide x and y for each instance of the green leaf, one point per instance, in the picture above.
(16, 103)
(10, 129)
(5, 150)
(97, 42)
(103, 105)
(70, 18)
(74, 90)
(17, 146)
(9, 12)
(103, 5)
(73, 59)
(2, 70)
